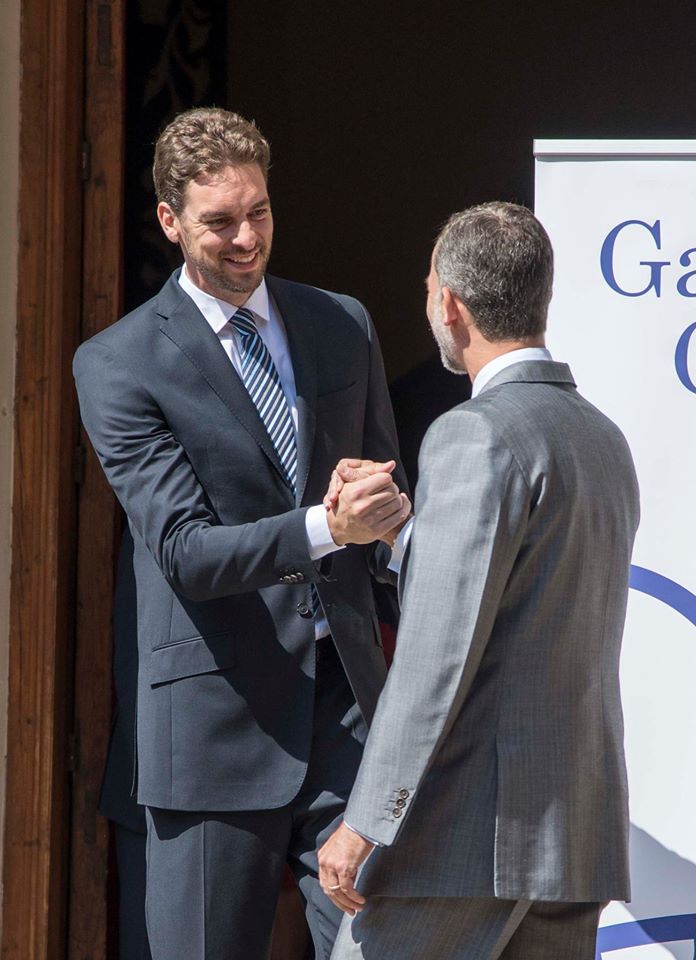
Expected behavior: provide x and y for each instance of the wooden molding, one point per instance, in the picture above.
(43, 537)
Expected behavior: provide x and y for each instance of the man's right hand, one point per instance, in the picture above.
(348, 470)
(367, 508)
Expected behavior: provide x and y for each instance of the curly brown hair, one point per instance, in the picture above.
(204, 140)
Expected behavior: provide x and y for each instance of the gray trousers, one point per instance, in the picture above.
(213, 879)
(453, 928)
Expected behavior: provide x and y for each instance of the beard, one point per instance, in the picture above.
(445, 341)
(220, 277)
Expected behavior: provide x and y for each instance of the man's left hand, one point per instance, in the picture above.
(339, 860)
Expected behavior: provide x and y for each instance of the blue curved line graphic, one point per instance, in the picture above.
(664, 589)
(638, 933)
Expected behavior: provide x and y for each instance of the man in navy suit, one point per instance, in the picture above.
(218, 410)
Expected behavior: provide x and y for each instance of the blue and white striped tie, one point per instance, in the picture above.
(261, 379)
(263, 384)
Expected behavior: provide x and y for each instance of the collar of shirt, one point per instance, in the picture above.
(489, 370)
(219, 312)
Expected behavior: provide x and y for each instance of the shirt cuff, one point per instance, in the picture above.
(375, 843)
(399, 547)
(319, 538)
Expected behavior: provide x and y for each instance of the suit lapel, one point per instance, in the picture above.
(301, 332)
(185, 326)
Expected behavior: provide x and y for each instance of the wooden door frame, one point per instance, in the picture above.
(66, 46)
(102, 304)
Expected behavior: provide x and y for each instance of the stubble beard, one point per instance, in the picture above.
(218, 280)
(444, 341)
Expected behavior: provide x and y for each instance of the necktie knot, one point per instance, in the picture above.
(243, 320)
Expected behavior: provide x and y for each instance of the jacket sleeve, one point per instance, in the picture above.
(472, 505)
(155, 482)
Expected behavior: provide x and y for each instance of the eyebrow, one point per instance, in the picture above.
(224, 214)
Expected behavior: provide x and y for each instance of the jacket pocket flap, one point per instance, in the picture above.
(189, 658)
(347, 394)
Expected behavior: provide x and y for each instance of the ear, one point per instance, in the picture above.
(169, 222)
(455, 314)
(451, 308)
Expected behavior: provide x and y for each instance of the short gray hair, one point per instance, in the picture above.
(498, 260)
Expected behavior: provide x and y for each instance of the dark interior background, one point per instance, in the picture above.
(386, 117)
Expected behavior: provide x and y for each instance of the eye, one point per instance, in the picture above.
(259, 214)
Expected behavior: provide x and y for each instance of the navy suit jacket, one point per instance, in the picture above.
(220, 556)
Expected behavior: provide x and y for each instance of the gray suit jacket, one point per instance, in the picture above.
(495, 762)
(221, 560)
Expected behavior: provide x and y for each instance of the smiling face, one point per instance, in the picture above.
(225, 231)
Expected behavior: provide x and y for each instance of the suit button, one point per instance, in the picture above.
(304, 610)
(396, 812)
(404, 794)
(401, 803)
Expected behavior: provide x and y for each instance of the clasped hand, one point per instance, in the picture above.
(364, 503)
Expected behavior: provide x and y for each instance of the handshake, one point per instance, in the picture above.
(364, 504)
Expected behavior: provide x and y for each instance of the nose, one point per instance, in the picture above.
(246, 238)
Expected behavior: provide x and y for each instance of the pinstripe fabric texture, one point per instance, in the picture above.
(263, 384)
(454, 928)
(495, 763)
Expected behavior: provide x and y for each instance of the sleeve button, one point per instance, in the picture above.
(396, 812)
(404, 794)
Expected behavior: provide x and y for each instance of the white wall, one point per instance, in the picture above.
(9, 162)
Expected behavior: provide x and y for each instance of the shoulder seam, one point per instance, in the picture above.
(462, 409)
(117, 357)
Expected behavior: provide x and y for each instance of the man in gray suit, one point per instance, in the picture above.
(493, 780)
(218, 410)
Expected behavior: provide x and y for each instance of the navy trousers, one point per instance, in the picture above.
(130, 855)
(213, 879)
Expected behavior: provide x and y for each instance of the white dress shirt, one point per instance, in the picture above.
(271, 329)
(505, 360)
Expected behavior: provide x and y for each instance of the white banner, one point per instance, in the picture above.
(621, 217)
